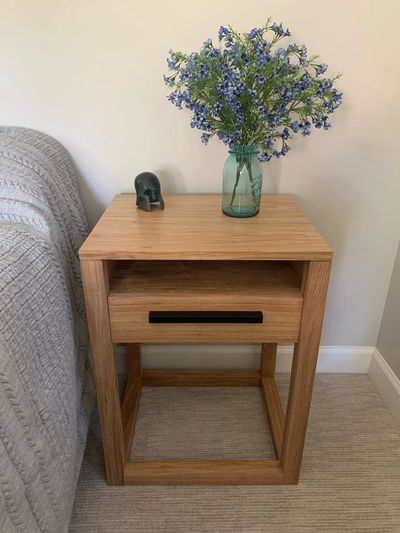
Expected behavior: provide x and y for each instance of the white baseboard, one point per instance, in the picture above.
(351, 359)
(387, 383)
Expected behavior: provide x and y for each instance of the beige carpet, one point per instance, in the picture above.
(350, 478)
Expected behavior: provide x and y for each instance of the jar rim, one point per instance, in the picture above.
(242, 148)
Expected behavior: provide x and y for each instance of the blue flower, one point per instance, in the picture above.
(321, 69)
(203, 71)
(326, 124)
(231, 86)
(168, 80)
(274, 120)
(216, 110)
(295, 126)
(201, 118)
(205, 137)
(255, 32)
(234, 53)
(223, 137)
(287, 94)
(261, 49)
(269, 142)
(265, 157)
(280, 53)
(253, 94)
(302, 55)
(324, 86)
(235, 137)
(285, 134)
(171, 61)
(174, 98)
(223, 33)
(292, 48)
(284, 150)
(259, 79)
(262, 114)
(213, 52)
(334, 101)
(305, 128)
(279, 31)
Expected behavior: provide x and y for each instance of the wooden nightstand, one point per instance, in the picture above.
(257, 280)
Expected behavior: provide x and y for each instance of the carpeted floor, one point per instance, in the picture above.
(350, 479)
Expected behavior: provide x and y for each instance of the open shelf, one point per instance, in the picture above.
(211, 279)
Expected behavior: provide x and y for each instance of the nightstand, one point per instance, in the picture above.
(190, 274)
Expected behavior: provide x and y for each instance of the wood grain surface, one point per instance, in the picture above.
(95, 282)
(268, 359)
(194, 227)
(303, 369)
(274, 409)
(130, 404)
(203, 473)
(201, 378)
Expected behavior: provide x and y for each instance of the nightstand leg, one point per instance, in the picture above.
(273, 406)
(268, 359)
(95, 277)
(130, 404)
(303, 369)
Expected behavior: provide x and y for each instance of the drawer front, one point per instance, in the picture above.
(130, 322)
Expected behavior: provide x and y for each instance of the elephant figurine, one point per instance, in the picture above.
(148, 191)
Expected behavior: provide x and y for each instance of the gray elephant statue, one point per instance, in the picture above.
(148, 191)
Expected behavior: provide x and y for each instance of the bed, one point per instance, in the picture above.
(46, 387)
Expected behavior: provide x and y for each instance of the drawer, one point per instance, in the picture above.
(141, 287)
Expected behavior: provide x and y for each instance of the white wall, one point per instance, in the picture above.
(90, 72)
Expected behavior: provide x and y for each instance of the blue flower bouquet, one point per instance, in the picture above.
(254, 95)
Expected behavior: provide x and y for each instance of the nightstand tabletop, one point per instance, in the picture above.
(193, 227)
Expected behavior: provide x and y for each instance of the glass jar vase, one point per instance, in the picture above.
(242, 180)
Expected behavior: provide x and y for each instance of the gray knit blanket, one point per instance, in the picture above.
(46, 389)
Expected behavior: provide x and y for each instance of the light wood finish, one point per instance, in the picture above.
(130, 404)
(191, 257)
(203, 473)
(147, 280)
(268, 359)
(133, 361)
(276, 418)
(141, 287)
(129, 323)
(201, 378)
(194, 227)
(300, 267)
(95, 282)
(303, 369)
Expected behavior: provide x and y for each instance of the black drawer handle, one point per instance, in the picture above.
(205, 317)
